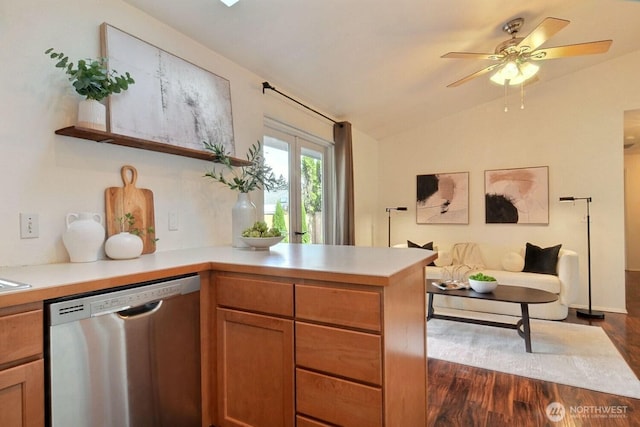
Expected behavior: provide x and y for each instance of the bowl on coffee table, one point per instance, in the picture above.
(482, 284)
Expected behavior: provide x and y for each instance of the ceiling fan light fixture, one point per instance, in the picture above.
(510, 70)
(523, 72)
(229, 3)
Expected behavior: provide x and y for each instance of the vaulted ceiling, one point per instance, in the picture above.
(377, 63)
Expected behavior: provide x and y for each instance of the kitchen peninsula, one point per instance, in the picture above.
(349, 321)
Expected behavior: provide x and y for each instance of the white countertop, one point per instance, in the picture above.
(377, 265)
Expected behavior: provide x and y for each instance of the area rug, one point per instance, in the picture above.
(576, 355)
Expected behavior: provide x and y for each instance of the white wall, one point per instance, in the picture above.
(365, 176)
(632, 214)
(573, 125)
(52, 175)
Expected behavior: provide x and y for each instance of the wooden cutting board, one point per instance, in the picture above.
(129, 199)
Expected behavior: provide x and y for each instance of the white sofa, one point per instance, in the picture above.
(496, 261)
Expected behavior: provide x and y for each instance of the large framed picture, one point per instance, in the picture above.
(443, 198)
(517, 196)
(172, 101)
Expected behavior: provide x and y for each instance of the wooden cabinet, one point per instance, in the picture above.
(361, 353)
(320, 353)
(21, 366)
(339, 365)
(255, 352)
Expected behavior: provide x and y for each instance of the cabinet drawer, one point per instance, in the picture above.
(350, 354)
(338, 306)
(255, 295)
(20, 336)
(338, 401)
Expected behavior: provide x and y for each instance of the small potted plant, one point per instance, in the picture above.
(257, 175)
(92, 79)
(128, 243)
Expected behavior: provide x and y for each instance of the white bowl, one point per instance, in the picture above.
(481, 286)
(262, 243)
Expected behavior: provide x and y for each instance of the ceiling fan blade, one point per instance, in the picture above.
(543, 32)
(474, 75)
(471, 55)
(589, 48)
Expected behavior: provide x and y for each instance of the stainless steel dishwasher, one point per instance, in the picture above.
(129, 357)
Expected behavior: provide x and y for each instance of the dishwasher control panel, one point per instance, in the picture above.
(124, 302)
(88, 306)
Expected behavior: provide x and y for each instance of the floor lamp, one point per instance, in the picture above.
(586, 313)
(399, 208)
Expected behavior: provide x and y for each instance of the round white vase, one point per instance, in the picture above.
(92, 115)
(243, 216)
(123, 246)
(84, 236)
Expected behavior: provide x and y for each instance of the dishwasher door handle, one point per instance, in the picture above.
(140, 311)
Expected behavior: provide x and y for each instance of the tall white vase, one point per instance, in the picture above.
(84, 236)
(243, 216)
(92, 115)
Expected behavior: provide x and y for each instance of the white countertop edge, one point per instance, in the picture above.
(349, 260)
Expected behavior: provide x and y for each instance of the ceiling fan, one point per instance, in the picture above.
(515, 58)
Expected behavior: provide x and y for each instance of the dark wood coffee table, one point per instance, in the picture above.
(515, 294)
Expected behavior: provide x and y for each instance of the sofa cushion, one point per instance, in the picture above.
(541, 260)
(428, 246)
(545, 282)
(513, 261)
(444, 259)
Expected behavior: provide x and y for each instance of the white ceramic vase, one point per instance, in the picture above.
(92, 115)
(123, 246)
(243, 216)
(84, 236)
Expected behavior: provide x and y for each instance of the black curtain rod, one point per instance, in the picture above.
(266, 85)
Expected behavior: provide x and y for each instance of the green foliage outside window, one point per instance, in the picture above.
(279, 222)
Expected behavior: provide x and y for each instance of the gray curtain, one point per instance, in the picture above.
(345, 221)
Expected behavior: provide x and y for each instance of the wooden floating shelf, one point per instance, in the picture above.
(129, 141)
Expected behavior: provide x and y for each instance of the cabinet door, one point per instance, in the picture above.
(255, 370)
(22, 395)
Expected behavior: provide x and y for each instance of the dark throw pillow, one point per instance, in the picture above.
(428, 246)
(541, 260)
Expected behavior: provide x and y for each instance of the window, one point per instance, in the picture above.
(303, 210)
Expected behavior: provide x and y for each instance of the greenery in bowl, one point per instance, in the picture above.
(481, 277)
(257, 175)
(90, 77)
(261, 230)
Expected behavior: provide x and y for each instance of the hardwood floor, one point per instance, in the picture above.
(460, 395)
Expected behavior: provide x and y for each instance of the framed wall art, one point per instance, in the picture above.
(443, 198)
(517, 196)
(172, 101)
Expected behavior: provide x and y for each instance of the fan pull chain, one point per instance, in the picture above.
(522, 96)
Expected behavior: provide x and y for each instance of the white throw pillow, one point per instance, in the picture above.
(445, 258)
(513, 261)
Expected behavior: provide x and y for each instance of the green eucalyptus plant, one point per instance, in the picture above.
(90, 77)
(257, 175)
(127, 223)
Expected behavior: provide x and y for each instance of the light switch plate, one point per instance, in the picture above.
(29, 226)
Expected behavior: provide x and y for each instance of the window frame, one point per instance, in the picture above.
(297, 140)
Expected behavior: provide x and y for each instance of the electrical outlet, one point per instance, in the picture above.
(29, 226)
(173, 221)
